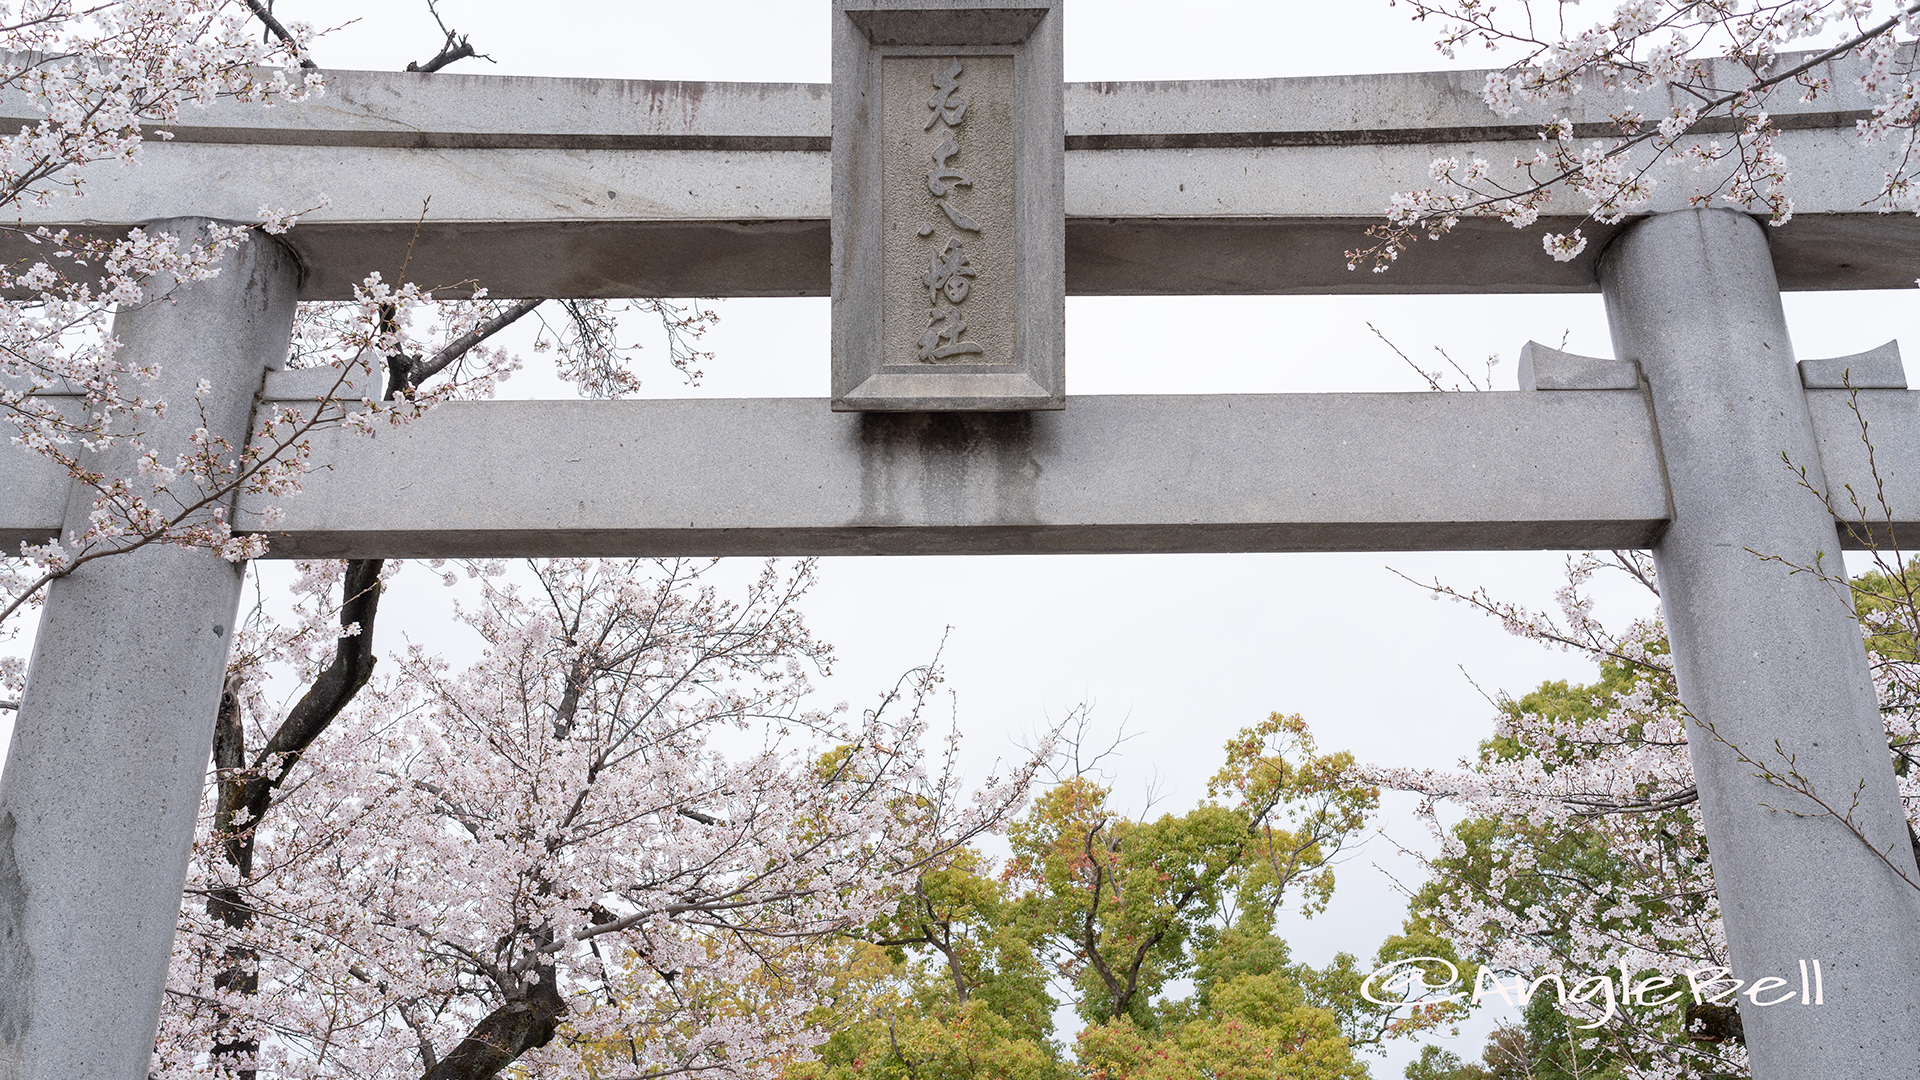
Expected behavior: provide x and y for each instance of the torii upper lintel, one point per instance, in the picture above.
(612, 188)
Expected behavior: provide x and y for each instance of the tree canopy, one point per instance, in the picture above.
(1158, 931)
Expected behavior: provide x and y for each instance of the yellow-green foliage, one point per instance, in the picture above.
(961, 980)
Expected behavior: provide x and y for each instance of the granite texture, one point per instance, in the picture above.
(109, 754)
(949, 238)
(1770, 663)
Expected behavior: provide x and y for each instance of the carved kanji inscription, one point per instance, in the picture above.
(947, 210)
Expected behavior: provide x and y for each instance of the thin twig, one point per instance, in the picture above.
(280, 31)
(1432, 383)
(456, 47)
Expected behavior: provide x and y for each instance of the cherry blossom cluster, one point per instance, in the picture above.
(100, 76)
(105, 77)
(1685, 84)
(76, 400)
(622, 815)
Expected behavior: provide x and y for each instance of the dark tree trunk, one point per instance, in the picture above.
(252, 794)
(507, 1032)
(332, 690)
(239, 972)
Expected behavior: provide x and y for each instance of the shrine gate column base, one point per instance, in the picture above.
(1770, 664)
(111, 746)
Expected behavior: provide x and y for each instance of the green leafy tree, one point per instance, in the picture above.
(1161, 933)
(945, 987)
(1622, 877)
(1125, 906)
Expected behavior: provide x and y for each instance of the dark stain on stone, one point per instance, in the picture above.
(949, 468)
(16, 959)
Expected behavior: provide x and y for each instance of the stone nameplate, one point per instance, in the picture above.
(949, 222)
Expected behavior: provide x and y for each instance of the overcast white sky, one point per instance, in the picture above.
(1183, 649)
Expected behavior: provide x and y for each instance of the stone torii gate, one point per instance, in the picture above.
(944, 438)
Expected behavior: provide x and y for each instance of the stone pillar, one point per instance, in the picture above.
(1766, 659)
(111, 746)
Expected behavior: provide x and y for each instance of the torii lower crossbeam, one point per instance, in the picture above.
(1284, 472)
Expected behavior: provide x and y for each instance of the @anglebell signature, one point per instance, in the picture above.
(1711, 985)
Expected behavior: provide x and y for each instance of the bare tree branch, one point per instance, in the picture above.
(456, 47)
(277, 29)
(460, 346)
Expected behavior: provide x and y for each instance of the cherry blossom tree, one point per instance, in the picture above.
(1692, 83)
(603, 849)
(103, 78)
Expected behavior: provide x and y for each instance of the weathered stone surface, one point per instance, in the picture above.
(1876, 369)
(547, 504)
(949, 238)
(1542, 368)
(33, 497)
(1161, 473)
(1770, 663)
(104, 772)
(598, 187)
(971, 252)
